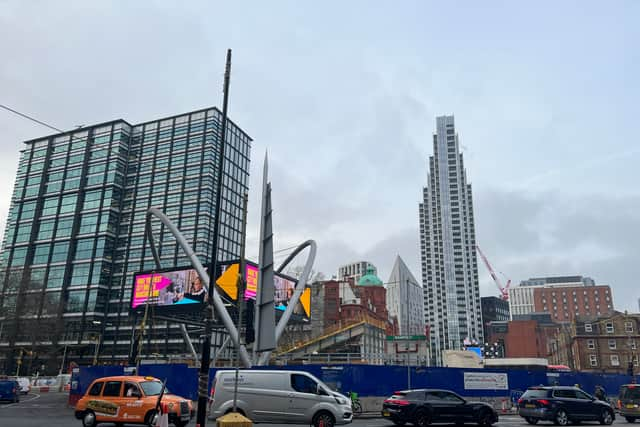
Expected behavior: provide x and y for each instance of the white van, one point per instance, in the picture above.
(284, 397)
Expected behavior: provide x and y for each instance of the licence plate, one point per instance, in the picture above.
(630, 406)
(529, 405)
(386, 414)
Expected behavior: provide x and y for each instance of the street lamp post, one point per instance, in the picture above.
(64, 356)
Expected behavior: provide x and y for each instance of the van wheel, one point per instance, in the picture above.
(323, 419)
(532, 421)
(151, 419)
(89, 419)
(630, 419)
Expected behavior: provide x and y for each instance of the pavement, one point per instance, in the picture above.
(51, 410)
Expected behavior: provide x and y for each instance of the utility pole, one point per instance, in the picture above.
(240, 295)
(203, 375)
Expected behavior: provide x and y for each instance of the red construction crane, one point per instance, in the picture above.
(504, 290)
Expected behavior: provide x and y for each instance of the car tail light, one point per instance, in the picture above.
(398, 402)
(619, 404)
(520, 401)
(543, 402)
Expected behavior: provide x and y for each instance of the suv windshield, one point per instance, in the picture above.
(152, 388)
(630, 392)
(535, 394)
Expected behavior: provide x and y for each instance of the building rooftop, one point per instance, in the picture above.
(370, 279)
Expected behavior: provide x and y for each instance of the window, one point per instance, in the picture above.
(75, 302)
(112, 388)
(68, 204)
(56, 276)
(46, 229)
(59, 252)
(615, 360)
(131, 390)
(628, 326)
(609, 327)
(64, 227)
(591, 344)
(84, 248)
(588, 327)
(303, 384)
(565, 393)
(41, 254)
(582, 395)
(632, 344)
(612, 344)
(95, 389)
(593, 360)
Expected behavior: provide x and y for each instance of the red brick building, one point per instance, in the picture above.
(522, 338)
(565, 303)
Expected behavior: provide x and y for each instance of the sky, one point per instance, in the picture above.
(343, 97)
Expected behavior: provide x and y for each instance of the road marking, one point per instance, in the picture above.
(22, 401)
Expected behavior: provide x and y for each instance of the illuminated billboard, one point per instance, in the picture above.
(284, 287)
(174, 287)
(180, 289)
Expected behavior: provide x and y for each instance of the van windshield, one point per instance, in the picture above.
(630, 393)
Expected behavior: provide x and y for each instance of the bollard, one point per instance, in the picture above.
(233, 419)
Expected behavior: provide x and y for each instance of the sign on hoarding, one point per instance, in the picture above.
(406, 338)
(485, 381)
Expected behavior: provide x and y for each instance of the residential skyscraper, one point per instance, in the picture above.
(75, 231)
(405, 299)
(447, 244)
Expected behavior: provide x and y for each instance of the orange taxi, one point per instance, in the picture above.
(130, 400)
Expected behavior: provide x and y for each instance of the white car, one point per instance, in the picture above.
(25, 385)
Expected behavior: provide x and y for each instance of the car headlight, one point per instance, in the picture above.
(341, 400)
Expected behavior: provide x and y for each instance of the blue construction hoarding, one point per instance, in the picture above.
(379, 380)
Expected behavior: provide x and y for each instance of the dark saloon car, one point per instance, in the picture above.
(423, 407)
(563, 405)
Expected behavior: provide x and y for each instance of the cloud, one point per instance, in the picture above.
(546, 234)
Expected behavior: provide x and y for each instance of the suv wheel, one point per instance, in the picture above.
(485, 419)
(606, 418)
(561, 418)
(89, 419)
(152, 418)
(422, 419)
(531, 420)
(630, 419)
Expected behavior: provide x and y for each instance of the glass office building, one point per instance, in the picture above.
(75, 231)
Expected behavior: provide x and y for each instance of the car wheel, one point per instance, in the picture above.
(422, 419)
(485, 419)
(89, 419)
(630, 419)
(181, 423)
(532, 421)
(323, 419)
(399, 422)
(152, 418)
(606, 418)
(561, 418)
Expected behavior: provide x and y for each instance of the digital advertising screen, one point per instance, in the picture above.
(181, 290)
(169, 288)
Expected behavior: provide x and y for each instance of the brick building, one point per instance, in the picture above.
(566, 302)
(528, 337)
(599, 344)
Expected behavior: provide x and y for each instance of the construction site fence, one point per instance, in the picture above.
(375, 380)
(353, 358)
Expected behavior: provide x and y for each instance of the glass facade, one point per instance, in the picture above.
(75, 230)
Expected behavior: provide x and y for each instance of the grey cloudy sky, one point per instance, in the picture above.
(344, 96)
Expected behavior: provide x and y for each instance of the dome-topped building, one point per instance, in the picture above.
(370, 279)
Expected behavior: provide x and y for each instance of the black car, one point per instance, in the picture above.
(426, 406)
(563, 405)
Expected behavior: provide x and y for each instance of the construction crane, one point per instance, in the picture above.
(504, 290)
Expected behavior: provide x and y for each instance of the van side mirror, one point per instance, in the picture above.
(321, 391)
